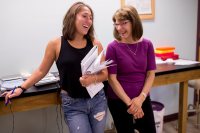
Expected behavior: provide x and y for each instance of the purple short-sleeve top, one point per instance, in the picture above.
(131, 63)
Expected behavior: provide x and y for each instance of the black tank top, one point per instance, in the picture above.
(69, 68)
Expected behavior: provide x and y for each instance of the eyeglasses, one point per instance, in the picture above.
(121, 24)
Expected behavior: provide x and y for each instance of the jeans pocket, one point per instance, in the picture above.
(66, 99)
(101, 93)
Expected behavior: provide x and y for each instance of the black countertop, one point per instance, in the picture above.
(161, 70)
(170, 68)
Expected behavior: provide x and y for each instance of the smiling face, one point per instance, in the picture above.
(83, 21)
(124, 29)
(78, 21)
(128, 25)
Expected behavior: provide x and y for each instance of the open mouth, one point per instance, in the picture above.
(86, 26)
(123, 33)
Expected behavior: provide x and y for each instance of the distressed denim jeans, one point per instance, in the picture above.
(85, 115)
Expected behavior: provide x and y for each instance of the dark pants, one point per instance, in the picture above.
(124, 121)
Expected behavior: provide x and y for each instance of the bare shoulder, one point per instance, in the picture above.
(55, 41)
(98, 43)
(54, 44)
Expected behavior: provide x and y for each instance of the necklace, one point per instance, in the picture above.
(134, 52)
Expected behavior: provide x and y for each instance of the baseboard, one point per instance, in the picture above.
(174, 116)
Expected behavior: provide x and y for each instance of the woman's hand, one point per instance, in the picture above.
(135, 108)
(10, 94)
(86, 80)
(138, 114)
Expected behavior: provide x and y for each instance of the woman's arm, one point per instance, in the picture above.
(42, 70)
(102, 75)
(148, 84)
(117, 88)
(98, 77)
(137, 102)
(39, 73)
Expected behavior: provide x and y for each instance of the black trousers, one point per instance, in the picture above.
(124, 121)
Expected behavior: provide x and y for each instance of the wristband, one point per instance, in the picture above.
(144, 94)
(95, 81)
(23, 89)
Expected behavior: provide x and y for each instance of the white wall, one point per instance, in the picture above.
(27, 25)
(175, 24)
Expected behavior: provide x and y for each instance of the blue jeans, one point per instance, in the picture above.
(85, 115)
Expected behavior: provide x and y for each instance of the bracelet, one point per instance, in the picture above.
(95, 81)
(22, 88)
(144, 94)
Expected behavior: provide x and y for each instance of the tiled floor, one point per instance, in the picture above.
(171, 127)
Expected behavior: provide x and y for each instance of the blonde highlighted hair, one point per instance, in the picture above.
(69, 27)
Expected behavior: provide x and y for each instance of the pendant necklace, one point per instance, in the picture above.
(134, 52)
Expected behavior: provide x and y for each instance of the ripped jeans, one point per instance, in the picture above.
(85, 115)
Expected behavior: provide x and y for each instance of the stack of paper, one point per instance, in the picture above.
(48, 79)
(7, 84)
(176, 62)
(92, 64)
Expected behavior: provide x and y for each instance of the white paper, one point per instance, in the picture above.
(10, 84)
(185, 62)
(168, 61)
(89, 54)
(176, 62)
(48, 79)
(92, 64)
(89, 59)
(93, 89)
(97, 65)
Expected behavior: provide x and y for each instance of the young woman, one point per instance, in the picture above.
(82, 113)
(132, 76)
